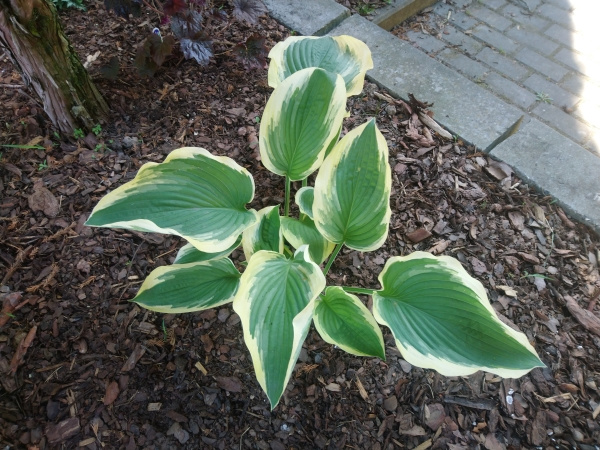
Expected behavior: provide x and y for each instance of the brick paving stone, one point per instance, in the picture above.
(562, 121)
(580, 63)
(533, 40)
(524, 18)
(504, 65)
(532, 4)
(488, 16)
(425, 41)
(555, 14)
(514, 93)
(495, 39)
(462, 3)
(457, 18)
(541, 64)
(465, 65)
(456, 37)
(560, 34)
(559, 96)
(494, 4)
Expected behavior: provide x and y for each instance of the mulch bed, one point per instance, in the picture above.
(81, 366)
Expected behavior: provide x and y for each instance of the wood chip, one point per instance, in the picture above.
(361, 389)
(111, 394)
(586, 318)
(201, 368)
(230, 384)
(43, 200)
(134, 357)
(507, 290)
(19, 355)
(154, 406)
(418, 235)
(333, 387)
(63, 430)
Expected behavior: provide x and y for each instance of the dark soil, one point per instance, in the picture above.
(81, 366)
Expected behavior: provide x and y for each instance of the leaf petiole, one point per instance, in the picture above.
(357, 290)
(332, 257)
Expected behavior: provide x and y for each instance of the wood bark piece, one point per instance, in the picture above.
(586, 318)
(19, 355)
(62, 431)
(31, 32)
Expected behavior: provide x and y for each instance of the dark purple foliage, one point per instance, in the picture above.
(252, 53)
(198, 49)
(151, 54)
(248, 10)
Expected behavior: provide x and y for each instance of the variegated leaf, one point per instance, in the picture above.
(441, 319)
(189, 254)
(352, 191)
(303, 232)
(345, 55)
(192, 194)
(341, 319)
(266, 234)
(301, 121)
(304, 199)
(182, 288)
(275, 303)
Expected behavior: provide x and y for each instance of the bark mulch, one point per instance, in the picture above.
(80, 366)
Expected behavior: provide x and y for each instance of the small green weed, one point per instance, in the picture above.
(25, 147)
(165, 332)
(543, 97)
(365, 9)
(43, 165)
(97, 130)
(78, 133)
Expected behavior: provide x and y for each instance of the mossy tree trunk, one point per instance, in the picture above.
(31, 33)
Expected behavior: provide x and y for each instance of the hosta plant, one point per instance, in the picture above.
(440, 317)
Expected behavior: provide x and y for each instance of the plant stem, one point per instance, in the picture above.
(357, 290)
(288, 186)
(332, 257)
(305, 182)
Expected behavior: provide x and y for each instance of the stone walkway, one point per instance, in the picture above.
(487, 63)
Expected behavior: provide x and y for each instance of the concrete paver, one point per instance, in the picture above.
(310, 18)
(558, 166)
(484, 64)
